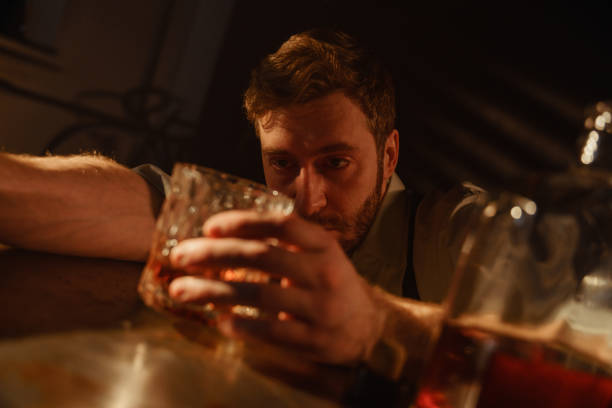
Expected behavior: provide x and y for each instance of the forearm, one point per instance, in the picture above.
(78, 205)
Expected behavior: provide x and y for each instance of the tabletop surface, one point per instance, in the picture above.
(74, 333)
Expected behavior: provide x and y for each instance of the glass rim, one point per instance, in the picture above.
(226, 177)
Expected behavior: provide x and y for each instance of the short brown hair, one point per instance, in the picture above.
(316, 63)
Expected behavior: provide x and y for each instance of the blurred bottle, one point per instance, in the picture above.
(529, 314)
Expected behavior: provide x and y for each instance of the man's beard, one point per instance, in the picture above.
(353, 231)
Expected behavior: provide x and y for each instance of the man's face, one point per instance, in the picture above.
(323, 155)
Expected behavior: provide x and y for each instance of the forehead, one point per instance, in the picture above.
(333, 119)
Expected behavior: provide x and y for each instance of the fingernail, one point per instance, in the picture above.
(176, 291)
(213, 231)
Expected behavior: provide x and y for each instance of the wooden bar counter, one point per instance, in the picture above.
(74, 333)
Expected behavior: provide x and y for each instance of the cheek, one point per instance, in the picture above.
(361, 180)
(346, 199)
(352, 192)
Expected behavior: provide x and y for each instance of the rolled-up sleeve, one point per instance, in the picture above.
(155, 176)
(158, 181)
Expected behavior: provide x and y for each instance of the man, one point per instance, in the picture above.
(323, 109)
(324, 112)
(328, 140)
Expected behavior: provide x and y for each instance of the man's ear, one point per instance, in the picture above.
(390, 154)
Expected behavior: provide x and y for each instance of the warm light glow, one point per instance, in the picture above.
(590, 148)
(516, 212)
(530, 207)
(588, 123)
(600, 122)
(246, 311)
(490, 210)
(607, 116)
(131, 381)
(596, 281)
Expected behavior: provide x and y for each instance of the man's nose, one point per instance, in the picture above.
(309, 192)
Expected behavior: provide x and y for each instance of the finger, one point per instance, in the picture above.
(205, 253)
(267, 297)
(192, 289)
(290, 229)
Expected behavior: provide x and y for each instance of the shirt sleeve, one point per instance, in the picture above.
(158, 182)
(156, 177)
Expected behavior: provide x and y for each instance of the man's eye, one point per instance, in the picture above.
(280, 164)
(337, 162)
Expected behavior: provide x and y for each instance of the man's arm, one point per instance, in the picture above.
(78, 205)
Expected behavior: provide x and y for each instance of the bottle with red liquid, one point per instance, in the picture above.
(529, 315)
(477, 368)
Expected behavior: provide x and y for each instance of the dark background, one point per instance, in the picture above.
(486, 91)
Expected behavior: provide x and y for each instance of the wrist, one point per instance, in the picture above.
(385, 355)
(378, 380)
(406, 331)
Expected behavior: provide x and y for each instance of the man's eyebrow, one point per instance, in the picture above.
(276, 152)
(337, 148)
(333, 148)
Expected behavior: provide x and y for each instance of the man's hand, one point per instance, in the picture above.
(332, 315)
